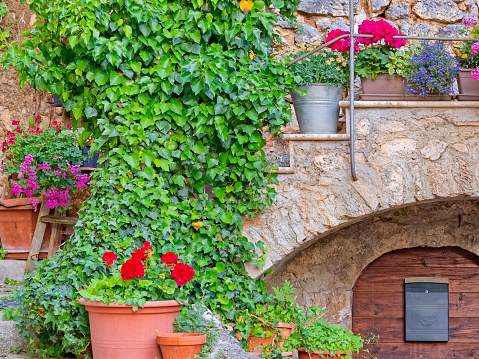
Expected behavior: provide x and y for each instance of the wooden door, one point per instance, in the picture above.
(378, 302)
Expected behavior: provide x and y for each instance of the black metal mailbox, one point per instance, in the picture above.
(427, 309)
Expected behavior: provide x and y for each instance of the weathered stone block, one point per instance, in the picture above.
(327, 7)
(379, 5)
(340, 24)
(398, 11)
(438, 10)
(309, 35)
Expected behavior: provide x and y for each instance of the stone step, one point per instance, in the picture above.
(10, 339)
(12, 269)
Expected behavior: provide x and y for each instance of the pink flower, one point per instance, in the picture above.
(469, 21)
(475, 74)
(475, 48)
(343, 45)
(380, 30)
(69, 126)
(63, 63)
(64, 41)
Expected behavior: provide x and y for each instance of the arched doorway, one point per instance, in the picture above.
(378, 302)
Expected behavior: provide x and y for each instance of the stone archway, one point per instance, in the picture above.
(326, 272)
(379, 307)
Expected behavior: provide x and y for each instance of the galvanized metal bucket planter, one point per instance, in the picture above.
(318, 111)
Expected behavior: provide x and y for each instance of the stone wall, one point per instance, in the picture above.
(411, 17)
(406, 153)
(325, 273)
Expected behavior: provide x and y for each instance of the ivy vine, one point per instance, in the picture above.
(176, 94)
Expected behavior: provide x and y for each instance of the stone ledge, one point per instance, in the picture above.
(316, 137)
(411, 104)
(283, 170)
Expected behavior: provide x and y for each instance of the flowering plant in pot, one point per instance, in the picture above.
(41, 162)
(194, 336)
(373, 61)
(319, 79)
(432, 71)
(48, 162)
(467, 55)
(265, 329)
(146, 291)
(315, 338)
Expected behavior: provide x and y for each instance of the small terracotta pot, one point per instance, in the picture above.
(18, 221)
(254, 342)
(303, 354)
(181, 345)
(467, 85)
(117, 332)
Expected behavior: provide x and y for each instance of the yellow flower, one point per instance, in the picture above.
(331, 59)
(337, 68)
(324, 54)
(251, 55)
(328, 62)
(299, 62)
(344, 64)
(339, 60)
(308, 59)
(464, 56)
(316, 54)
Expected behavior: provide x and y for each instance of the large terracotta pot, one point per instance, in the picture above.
(181, 345)
(386, 87)
(468, 87)
(18, 220)
(255, 342)
(117, 332)
(303, 354)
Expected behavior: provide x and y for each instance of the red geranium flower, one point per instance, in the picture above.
(182, 273)
(108, 259)
(169, 258)
(343, 45)
(132, 268)
(139, 254)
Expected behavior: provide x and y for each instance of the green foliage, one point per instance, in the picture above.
(324, 66)
(400, 60)
(371, 62)
(192, 320)
(4, 34)
(173, 99)
(463, 49)
(3, 253)
(313, 333)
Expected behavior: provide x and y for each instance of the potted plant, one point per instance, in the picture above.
(44, 166)
(269, 325)
(192, 332)
(320, 79)
(145, 293)
(315, 338)
(431, 72)
(467, 56)
(373, 60)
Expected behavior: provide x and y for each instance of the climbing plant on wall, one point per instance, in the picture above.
(176, 94)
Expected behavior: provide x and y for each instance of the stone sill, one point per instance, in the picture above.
(283, 170)
(316, 137)
(411, 104)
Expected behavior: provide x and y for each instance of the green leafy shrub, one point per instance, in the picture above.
(313, 333)
(176, 97)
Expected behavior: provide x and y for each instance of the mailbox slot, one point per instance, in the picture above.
(427, 309)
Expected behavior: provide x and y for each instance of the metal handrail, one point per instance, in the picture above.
(353, 35)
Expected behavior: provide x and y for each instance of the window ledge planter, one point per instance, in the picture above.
(303, 354)
(468, 87)
(386, 87)
(181, 345)
(18, 221)
(318, 111)
(119, 332)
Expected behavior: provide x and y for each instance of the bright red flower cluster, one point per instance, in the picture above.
(144, 253)
(169, 258)
(132, 268)
(343, 45)
(182, 273)
(380, 30)
(108, 259)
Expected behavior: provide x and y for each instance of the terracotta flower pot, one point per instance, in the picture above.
(303, 354)
(181, 345)
(254, 342)
(117, 332)
(18, 220)
(468, 87)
